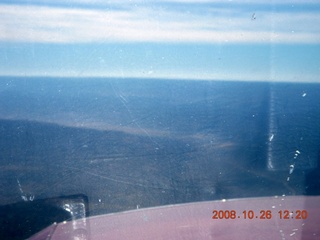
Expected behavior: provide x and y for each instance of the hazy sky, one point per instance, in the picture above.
(205, 39)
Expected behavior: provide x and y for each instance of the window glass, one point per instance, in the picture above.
(110, 106)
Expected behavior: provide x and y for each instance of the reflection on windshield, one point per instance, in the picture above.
(143, 114)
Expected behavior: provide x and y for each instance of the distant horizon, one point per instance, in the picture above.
(157, 79)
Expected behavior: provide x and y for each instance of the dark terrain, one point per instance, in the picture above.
(130, 143)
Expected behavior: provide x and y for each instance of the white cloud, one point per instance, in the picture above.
(68, 25)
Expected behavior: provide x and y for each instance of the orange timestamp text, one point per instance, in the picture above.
(262, 214)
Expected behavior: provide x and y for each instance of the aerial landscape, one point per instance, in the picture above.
(136, 104)
(132, 143)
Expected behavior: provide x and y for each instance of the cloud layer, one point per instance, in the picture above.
(171, 21)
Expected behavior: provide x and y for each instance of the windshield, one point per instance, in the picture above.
(126, 105)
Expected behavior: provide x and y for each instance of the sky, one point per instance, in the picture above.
(249, 40)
